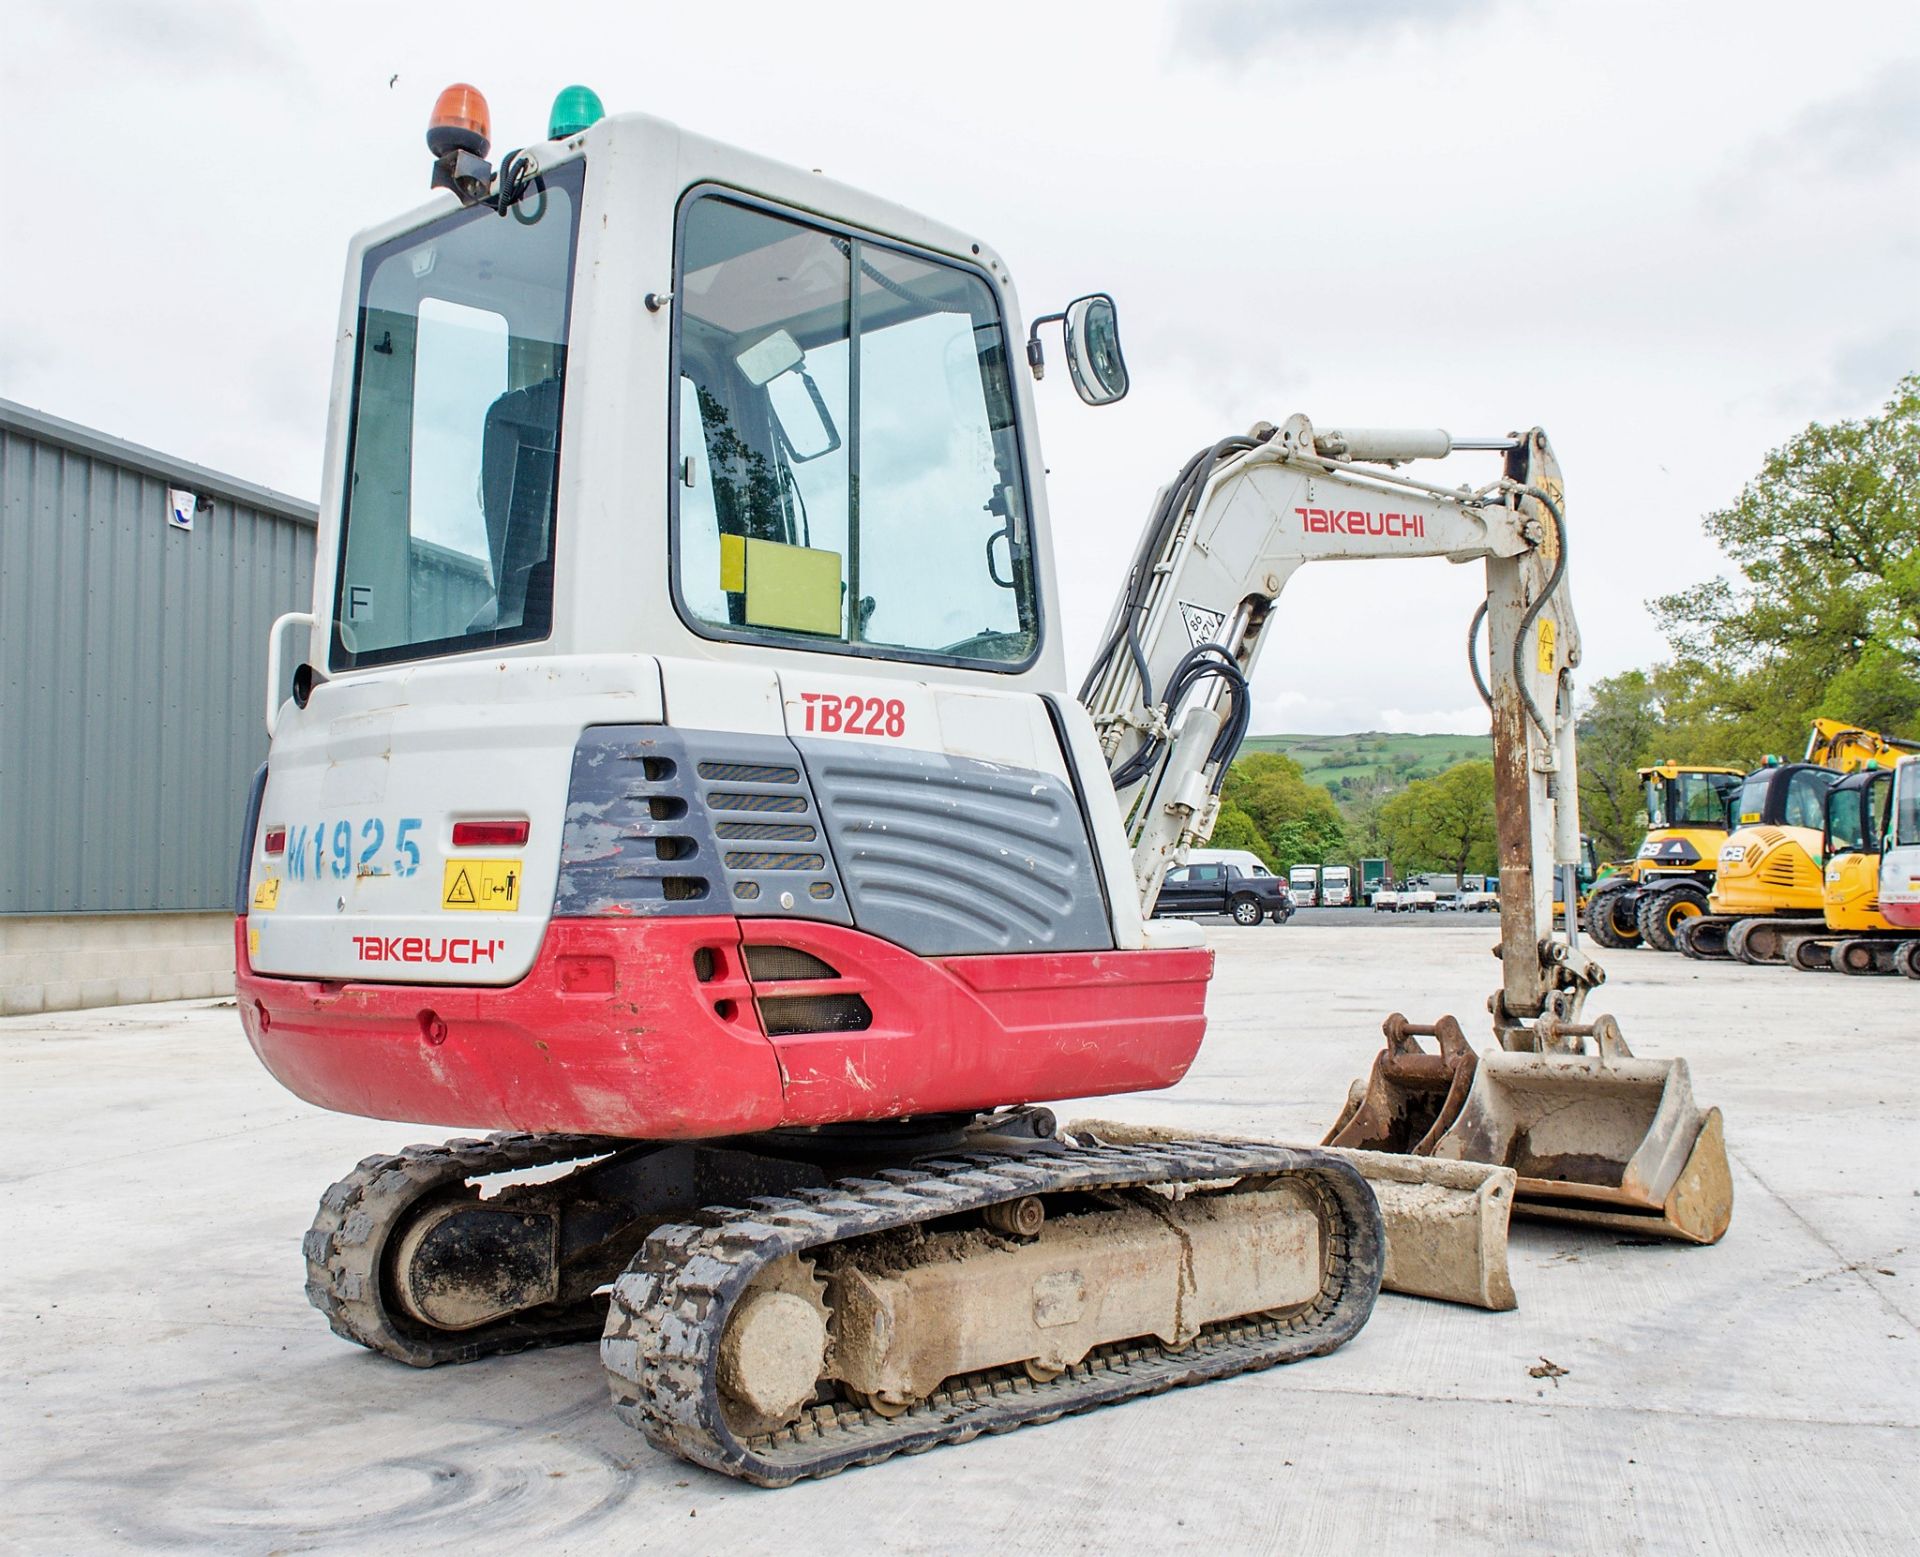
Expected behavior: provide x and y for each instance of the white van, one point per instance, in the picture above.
(1243, 860)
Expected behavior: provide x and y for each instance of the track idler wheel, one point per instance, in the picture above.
(1612, 917)
(1861, 956)
(1907, 959)
(1811, 954)
(1705, 939)
(1762, 942)
(1662, 913)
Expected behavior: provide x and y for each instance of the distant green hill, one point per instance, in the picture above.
(1328, 759)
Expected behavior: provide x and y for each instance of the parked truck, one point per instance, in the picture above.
(1373, 876)
(1336, 886)
(1303, 881)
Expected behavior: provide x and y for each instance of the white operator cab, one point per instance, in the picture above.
(686, 437)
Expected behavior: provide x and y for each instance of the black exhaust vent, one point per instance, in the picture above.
(774, 964)
(693, 822)
(749, 773)
(783, 1015)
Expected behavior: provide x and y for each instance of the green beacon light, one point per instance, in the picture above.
(577, 108)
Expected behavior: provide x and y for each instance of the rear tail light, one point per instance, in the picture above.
(276, 840)
(489, 835)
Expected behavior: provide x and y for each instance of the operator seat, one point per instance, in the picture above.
(519, 459)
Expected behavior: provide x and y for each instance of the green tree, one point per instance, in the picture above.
(1297, 818)
(1445, 821)
(1823, 616)
(1234, 829)
(1363, 807)
(1617, 734)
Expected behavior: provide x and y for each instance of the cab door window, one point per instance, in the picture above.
(850, 409)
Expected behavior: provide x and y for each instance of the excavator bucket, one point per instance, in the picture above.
(1600, 1138)
(1411, 1097)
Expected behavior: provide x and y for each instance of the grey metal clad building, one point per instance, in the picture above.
(136, 591)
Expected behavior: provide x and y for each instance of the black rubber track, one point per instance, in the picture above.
(671, 1306)
(346, 1248)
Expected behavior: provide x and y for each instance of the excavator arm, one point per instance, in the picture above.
(1561, 1119)
(1168, 690)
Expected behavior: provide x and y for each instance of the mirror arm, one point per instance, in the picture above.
(1036, 354)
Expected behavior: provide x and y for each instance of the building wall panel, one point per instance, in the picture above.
(132, 662)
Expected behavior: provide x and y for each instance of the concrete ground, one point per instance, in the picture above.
(163, 1384)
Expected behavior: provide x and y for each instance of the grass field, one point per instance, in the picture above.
(1327, 759)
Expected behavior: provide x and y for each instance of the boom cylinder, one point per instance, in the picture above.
(1384, 443)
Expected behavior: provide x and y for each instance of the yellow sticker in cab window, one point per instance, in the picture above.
(492, 885)
(1547, 634)
(266, 896)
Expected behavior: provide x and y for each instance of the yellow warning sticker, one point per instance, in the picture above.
(266, 896)
(253, 942)
(485, 884)
(1547, 634)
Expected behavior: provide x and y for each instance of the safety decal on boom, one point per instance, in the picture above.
(482, 884)
(1203, 626)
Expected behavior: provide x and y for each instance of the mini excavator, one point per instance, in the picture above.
(683, 782)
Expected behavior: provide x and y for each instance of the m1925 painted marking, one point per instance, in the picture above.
(854, 715)
(335, 849)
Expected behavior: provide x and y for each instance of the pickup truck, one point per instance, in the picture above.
(1217, 888)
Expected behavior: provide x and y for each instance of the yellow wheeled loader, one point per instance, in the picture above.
(1670, 876)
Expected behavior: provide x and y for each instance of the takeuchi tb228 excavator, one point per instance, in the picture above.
(684, 780)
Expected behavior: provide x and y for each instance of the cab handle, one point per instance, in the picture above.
(276, 635)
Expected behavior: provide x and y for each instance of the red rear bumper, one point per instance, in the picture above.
(615, 1031)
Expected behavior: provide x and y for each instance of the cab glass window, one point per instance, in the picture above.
(848, 474)
(1807, 798)
(453, 459)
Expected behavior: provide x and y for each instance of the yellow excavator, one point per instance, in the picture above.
(1769, 888)
(1669, 879)
(1859, 938)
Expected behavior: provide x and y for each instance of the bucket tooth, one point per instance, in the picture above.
(1606, 1139)
(1412, 1096)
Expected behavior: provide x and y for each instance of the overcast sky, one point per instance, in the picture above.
(1669, 231)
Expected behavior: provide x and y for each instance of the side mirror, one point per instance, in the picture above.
(767, 358)
(1092, 327)
(1093, 350)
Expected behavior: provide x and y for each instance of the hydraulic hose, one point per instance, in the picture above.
(1539, 605)
(1473, 655)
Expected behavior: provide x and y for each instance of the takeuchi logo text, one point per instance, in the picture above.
(460, 949)
(1361, 521)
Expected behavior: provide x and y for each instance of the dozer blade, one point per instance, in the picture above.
(1446, 1222)
(1605, 1139)
(1446, 1226)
